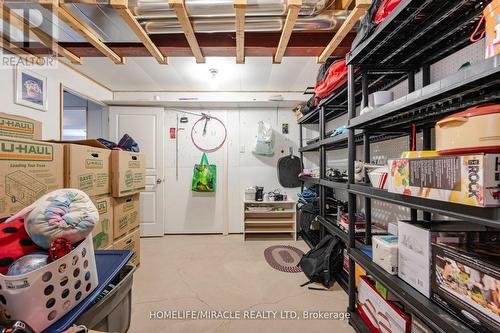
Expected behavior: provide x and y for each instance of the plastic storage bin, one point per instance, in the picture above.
(112, 310)
(42, 296)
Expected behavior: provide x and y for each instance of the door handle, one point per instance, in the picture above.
(158, 181)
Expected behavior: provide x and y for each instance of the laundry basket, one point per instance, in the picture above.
(112, 311)
(42, 296)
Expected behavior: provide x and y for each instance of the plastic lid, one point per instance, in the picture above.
(475, 111)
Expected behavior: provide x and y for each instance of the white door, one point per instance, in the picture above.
(145, 125)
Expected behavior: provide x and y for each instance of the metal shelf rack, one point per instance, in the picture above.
(417, 34)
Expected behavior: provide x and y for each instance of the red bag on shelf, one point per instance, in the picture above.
(386, 7)
(336, 77)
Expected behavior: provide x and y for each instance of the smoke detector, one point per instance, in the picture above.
(213, 72)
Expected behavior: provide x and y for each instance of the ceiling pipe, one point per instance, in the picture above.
(329, 22)
(147, 9)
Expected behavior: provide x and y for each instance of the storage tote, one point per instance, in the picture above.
(42, 296)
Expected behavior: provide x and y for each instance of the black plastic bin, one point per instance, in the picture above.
(112, 310)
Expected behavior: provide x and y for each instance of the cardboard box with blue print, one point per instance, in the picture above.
(20, 127)
(128, 172)
(28, 170)
(126, 212)
(131, 242)
(102, 235)
(86, 167)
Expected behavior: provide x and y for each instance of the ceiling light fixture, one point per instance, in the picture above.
(213, 72)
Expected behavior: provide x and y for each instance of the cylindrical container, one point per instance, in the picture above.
(492, 37)
(475, 130)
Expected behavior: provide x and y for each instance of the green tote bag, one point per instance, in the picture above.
(204, 176)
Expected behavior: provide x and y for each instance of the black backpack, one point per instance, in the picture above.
(322, 262)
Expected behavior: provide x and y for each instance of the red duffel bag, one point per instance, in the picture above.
(337, 76)
(386, 7)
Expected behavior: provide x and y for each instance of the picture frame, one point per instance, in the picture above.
(30, 89)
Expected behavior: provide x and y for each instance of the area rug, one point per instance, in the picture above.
(284, 258)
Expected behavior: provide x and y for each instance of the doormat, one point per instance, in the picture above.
(284, 258)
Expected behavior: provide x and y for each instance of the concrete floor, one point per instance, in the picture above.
(213, 272)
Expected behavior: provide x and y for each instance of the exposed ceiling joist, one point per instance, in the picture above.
(83, 29)
(20, 23)
(182, 15)
(358, 11)
(343, 4)
(240, 8)
(121, 6)
(23, 54)
(293, 9)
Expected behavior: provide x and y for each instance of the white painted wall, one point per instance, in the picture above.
(190, 212)
(68, 77)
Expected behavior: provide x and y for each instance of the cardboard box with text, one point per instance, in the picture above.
(126, 212)
(128, 172)
(20, 127)
(102, 235)
(131, 242)
(28, 170)
(87, 168)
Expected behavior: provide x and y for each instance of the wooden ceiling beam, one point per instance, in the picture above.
(257, 44)
(23, 25)
(84, 30)
(240, 7)
(358, 11)
(121, 7)
(293, 9)
(343, 4)
(182, 15)
(21, 53)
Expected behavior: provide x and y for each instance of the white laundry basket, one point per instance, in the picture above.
(42, 296)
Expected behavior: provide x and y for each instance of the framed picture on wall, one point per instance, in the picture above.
(31, 89)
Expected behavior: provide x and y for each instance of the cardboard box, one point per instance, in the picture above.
(20, 127)
(417, 326)
(102, 235)
(379, 314)
(28, 170)
(466, 283)
(126, 212)
(86, 167)
(131, 242)
(414, 248)
(465, 179)
(128, 172)
(385, 253)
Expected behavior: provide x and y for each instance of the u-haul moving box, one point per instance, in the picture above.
(20, 127)
(131, 242)
(28, 170)
(86, 167)
(126, 212)
(128, 172)
(102, 235)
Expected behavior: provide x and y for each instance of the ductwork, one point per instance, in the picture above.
(252, 24)
(147, 9)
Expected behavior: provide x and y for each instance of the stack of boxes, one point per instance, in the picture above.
(30, 168)
(113, 179)
(128, 180)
